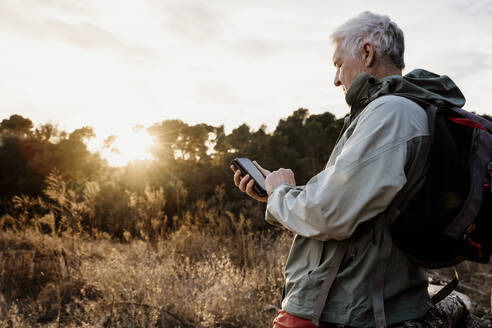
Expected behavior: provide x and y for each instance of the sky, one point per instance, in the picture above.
(115, 64)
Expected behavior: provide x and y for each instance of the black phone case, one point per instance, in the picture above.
(256, 188)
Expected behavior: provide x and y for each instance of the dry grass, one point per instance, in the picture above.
(192, 279)
(189, 280)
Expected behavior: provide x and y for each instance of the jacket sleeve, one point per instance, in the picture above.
(362, 182)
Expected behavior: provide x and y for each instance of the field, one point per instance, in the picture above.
(191, 279)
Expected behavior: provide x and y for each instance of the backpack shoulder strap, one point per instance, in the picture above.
(330, 278)
(446, 290)
(380, 272)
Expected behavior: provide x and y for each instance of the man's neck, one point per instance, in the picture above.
(384, 71)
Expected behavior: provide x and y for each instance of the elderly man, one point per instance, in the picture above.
(343, 268)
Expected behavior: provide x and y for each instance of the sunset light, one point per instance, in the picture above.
(121, 149)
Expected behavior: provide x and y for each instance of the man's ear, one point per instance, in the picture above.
(368, 54)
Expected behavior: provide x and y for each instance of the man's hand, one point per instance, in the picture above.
(272, 181)
(245, 184)
(276, 178)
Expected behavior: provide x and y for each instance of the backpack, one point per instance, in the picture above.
(450, 218)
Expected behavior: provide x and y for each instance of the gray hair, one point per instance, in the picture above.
(384, 34)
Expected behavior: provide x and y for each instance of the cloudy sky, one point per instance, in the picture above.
(113, 64)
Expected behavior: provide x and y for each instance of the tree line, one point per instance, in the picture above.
(45, 171)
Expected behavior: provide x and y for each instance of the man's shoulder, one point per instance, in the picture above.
(398, 104)
(397, 109)
(403, 117)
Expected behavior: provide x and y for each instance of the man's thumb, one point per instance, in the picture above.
(265, 172)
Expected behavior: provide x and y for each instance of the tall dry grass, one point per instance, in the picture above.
(191, 279)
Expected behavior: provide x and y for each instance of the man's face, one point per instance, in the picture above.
(347, 67)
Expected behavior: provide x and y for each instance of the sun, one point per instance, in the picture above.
(127, 146)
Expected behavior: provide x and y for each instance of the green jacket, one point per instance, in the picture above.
(378, 163)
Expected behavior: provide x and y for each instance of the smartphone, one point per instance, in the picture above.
(246, 166)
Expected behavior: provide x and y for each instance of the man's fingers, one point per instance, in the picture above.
(243, 182)
(237, 177)
(250, 192)
(249, 189)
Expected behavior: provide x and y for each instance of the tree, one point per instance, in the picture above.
(47, 132)
(16, 125)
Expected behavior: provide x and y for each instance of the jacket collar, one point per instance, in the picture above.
(418, 83)
(358, 96)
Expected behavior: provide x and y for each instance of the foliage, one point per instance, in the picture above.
(190, 162)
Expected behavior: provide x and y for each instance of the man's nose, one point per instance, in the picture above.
(337, 81)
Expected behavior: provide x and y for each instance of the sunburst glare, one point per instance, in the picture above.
(127, 146)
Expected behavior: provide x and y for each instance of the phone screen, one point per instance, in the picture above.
(252, 171)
